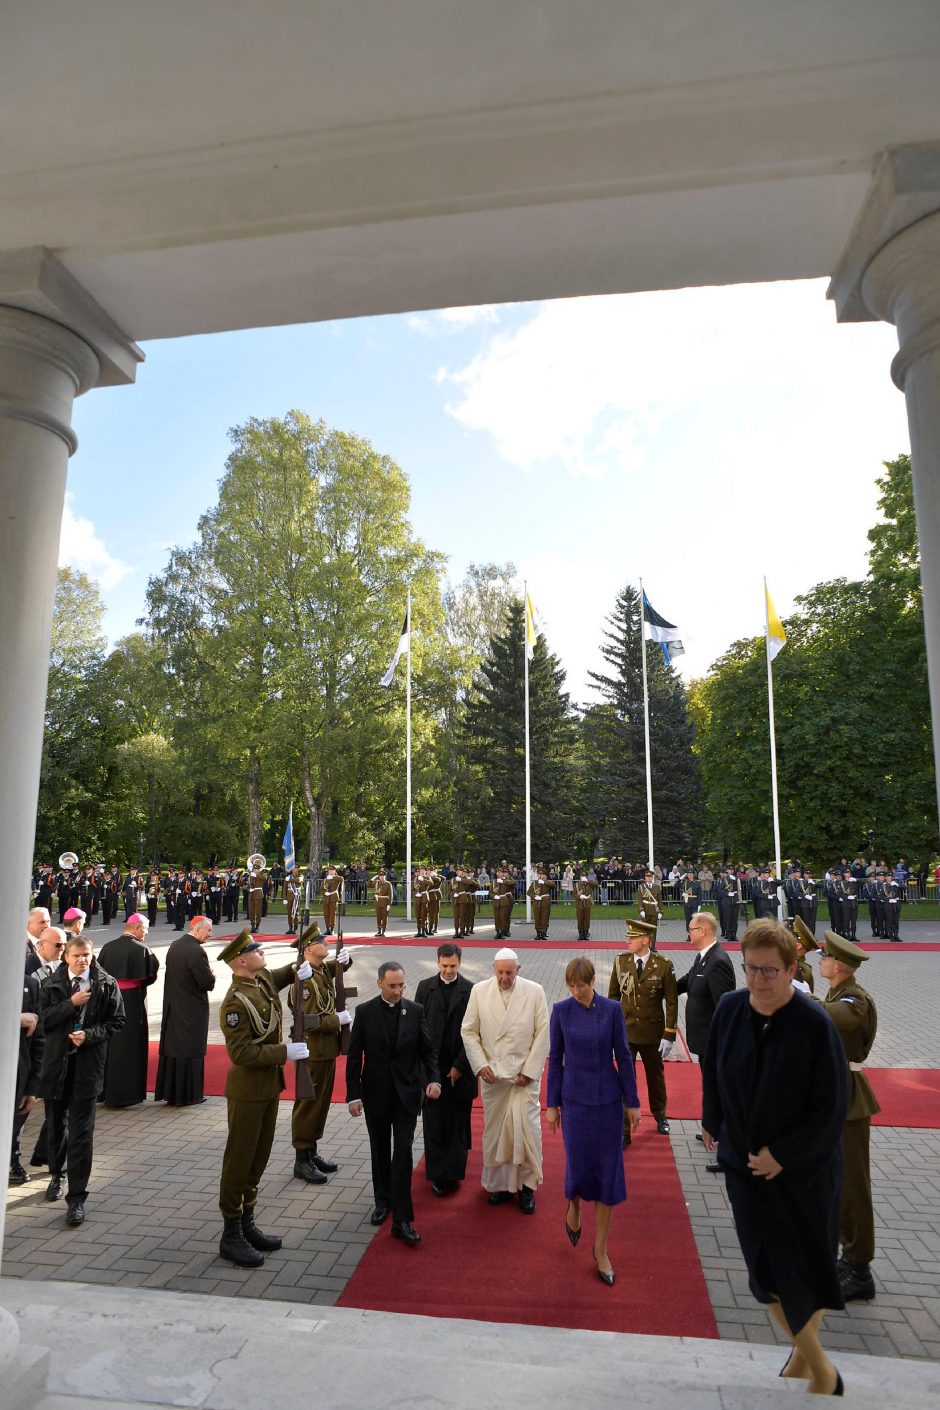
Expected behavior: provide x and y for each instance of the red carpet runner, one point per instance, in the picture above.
(498, 1265)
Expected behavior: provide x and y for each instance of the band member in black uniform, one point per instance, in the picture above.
(691, 896)
(153, 896)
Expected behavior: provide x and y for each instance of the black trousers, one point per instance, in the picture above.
(70, 1139)
(391, 1139)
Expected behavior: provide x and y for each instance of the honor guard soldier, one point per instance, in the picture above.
(153, 896)
(214, 887)
(318, 996)
(469, 900)
(502, 892)
(805, 941)
(540, 893)
(649, 902)
(852, 1010)
(849, 906)
(583, 900)
(230, 903)
(835, 894)
(731, 892)
(131, 893)
(250, 1019)
(292, 897)
(691, 896)
(457, 903)
(893, 894)
(332, 895)
(435, 881)
(382, 889)
(809, 902)
(110, 894)
(644, 982)
(420, 894)
(255, 891)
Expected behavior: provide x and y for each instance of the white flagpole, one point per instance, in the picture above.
(528, 821)
(646, 730)
(408, 768)
(773, 752)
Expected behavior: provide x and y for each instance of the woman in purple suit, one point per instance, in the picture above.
(590, 1081)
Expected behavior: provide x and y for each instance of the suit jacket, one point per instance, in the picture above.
(443, 1023)
(101, 1016)
(374, 1073)
(29, 1058)
(704, 985)
(513, 1039)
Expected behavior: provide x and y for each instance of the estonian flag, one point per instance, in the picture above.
(400, 649)
(662, 631)
(288, 842)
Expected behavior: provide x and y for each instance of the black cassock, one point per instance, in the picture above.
(781, 1082)
(446, 1122)
(184, 1032)
(134, 967)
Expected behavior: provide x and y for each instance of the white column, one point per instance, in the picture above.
(44, 365)
(890, 270)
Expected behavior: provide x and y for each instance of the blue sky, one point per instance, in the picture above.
(698, 438)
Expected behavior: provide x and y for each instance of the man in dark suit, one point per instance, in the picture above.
(711, 975)
(444, 998)
(28, 1068)
(389, 1044)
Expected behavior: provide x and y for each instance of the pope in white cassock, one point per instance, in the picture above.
(505, 1037)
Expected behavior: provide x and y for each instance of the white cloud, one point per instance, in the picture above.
(453, 320)
(80, 546)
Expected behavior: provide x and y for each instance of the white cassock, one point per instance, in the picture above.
(509, 1033)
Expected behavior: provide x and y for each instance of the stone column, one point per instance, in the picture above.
(45, 362)
(890, 270)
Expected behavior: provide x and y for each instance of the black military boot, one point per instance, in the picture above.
(856, 1282)
(234, 1246)
(320, 1162)
(304, 1168)
(265, 1243)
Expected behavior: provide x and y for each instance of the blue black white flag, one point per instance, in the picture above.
(288, 843)
(400, 649)
(662, 631)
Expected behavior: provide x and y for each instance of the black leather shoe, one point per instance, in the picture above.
(527, 1200)
(713, 1167)
(75, 1214)
(627, 1139)
(327, 1166)
(18, 1176)
(608, 1279)
(700, 1137)
(54, 1189)
(856, 1282)
(407, 1233)
(438, 1189)
(500, 1197)
(379, 1214)
(662, 1126)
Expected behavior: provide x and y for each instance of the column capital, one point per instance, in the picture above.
(35, 281)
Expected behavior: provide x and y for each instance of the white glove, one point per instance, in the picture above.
(304, 970)
(296, 1052)
(345, 1018)
(666, 1047)
(344, 957)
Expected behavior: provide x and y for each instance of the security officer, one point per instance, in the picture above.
(250, 1019)
(382, 889)
(583, 900)
(852, 1010)
(540, 893)
(318, 996)
(645, 983)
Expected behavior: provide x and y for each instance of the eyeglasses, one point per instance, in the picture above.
(766, 971)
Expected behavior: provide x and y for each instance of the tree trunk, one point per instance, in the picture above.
(317, 812)
(254, 801)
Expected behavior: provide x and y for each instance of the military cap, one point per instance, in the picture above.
(636, 928)
(308, 936)
(805, 936)
(838, 948)
(242, 944)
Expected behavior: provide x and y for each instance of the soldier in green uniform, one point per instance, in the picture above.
(420, 893)
(583, 900)
(852, 1010)
(318, 995)
(540, 892)
(649, 902)
(255, 896)
(332, 894)
(250, 1019)
(383, 892)
(434, 900)
(645, 984)
(469, 900)
(502, 892)
(805, 941)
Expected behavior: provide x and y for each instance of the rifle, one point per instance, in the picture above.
(339, 981)
(303, 1023)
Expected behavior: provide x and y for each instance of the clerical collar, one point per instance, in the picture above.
(387, 1004)
(447, 981)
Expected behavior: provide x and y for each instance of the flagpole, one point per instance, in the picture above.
(528, 820)
(646, 731)
(773, 748)
(408, 769)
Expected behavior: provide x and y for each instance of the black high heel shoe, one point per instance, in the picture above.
(573, 1234)
(609, 1278)
(838, 1388)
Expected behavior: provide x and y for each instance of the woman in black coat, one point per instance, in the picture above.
(775, 1093)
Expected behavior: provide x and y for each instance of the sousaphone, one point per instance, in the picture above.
(256, 860)
(68, 861)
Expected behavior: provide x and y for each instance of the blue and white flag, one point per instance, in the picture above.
(400, 649)
(288, 843)
(662, 631)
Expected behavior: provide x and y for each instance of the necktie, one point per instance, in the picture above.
(639, 970)
(76, 985)
(79, 1013)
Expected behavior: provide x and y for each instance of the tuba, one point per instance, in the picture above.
(256, 860)
(68, 861)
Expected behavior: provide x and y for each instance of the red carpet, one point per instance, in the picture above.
(497, 1265)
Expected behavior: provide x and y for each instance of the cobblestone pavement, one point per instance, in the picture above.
(153, 1213)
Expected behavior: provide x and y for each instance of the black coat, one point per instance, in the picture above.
(187, 980)
(374, 1074)
(29, 1058)
(103, 1015)
(703, 986)
(444, 1028)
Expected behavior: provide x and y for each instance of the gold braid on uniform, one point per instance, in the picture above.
(326, 991)
(261, 1029)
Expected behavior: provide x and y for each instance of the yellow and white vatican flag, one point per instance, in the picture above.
(532, 627)
(776, 636)
(776, 640)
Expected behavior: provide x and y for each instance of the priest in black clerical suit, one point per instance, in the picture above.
(128, 960)
(444, 998)
(390, 1066)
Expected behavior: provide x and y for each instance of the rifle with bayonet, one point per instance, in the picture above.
(339, 981)
(303, 1023)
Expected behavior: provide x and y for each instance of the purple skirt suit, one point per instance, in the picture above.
(591, 1078)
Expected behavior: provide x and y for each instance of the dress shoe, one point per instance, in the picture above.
(407, 1233)
(304, 1169)
(18, 1176)
(437, 1188)
(54, 1189)
(573, 1234)
(607, 1278)
(75, 1214)
(379, 1214)
(700, 1137)
(662, 1126)
(527, 1200)
(713, 1167)
(326, 1166)
(500, 1197)
(856, 1282)
(838, 1388)
(627, 1139)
